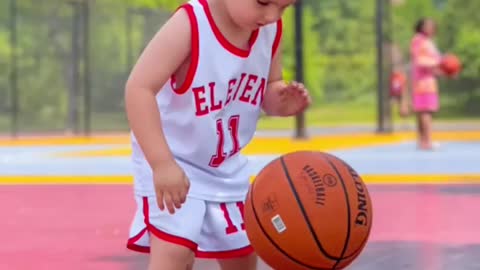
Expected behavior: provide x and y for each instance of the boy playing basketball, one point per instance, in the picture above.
(193, 100)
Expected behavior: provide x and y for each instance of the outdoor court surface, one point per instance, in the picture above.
(66, 203)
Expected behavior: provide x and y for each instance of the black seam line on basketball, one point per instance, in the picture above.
(354, 253)
(364, 241)
(273, 242)
(347, 239)
(304, 213)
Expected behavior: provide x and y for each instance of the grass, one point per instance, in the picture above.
(335, 115)
(328, 115)
(325, 115)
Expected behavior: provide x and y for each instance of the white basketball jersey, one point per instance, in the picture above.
(209, 119)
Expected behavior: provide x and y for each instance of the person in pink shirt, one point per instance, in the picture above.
(425, 61)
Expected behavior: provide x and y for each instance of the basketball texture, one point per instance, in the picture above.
(450, 64)
(308, 210)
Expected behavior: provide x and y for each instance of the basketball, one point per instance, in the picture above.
(450, 64)
(308, 210)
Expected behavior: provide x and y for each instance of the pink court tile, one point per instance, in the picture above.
(64, 227)
(429, 217)
(85, 226)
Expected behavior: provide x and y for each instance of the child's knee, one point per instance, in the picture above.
(169, 256)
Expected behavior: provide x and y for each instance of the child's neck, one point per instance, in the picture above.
(233, 32)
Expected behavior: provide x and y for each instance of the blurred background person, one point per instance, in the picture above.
(425, 61)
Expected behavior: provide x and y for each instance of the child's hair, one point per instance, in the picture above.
(420, 23)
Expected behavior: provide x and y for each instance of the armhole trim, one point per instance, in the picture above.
(194, 55)
(278, 37)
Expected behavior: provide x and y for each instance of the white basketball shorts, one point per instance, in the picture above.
(210, 229)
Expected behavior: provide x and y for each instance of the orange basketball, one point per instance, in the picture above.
(308, 210)
(450, 64)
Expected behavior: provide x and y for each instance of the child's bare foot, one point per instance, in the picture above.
(425, 146)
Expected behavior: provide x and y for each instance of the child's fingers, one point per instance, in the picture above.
(295, 88)
(176, 198)
(160, 201)
(169, 202)
(306, 97)
(184, 191)
(302, 93)
(294, 85)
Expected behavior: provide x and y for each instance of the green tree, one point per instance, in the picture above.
(345, 34)
(459, 34)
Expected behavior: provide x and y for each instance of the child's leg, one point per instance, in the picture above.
(223, 237)
(420, 132)
(171, 240)
(168, 256)
(426, 126)
(248, 262)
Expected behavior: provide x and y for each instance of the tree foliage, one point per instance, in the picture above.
(339, 49)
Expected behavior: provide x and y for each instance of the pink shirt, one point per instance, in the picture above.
(425, 55)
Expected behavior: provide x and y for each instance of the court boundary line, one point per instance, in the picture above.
(469, 135)
(381, 179)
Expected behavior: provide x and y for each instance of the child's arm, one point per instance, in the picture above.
(164, 54)
(282, 99)
(424, 56)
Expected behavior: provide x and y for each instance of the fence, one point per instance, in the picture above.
(63, 64)
(70, 63)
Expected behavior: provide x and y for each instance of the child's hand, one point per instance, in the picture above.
(294, 98)
(171, 186)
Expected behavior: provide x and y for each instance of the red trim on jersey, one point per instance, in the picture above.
(163, 235)
(172, 238)
(192, 69)
(131, 243)
(221, 38)
(158, 233)
(229, 254)
(278, 37)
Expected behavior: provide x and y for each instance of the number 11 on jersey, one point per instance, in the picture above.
(219, 157)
